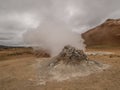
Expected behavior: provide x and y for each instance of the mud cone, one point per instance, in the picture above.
(69, 63)
(70, 55)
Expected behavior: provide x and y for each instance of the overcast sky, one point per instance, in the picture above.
(19, 16)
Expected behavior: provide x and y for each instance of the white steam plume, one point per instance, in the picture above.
(53, 36)
(59, 18)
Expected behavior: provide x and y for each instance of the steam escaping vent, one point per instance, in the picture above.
(69, 63)
(70, 55)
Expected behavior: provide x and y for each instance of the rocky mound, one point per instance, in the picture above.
(71, 62)
(107, 33)
(70, 55)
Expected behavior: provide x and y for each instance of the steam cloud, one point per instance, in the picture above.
(53, 36)
(51, 24)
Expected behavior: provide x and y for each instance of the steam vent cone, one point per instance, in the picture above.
(70, 56)
(70, 63)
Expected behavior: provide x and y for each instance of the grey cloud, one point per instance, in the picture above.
(76, 13)
(2, 38)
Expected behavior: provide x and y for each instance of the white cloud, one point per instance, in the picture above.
(12, 26)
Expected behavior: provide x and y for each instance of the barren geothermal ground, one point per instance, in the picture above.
(19, 71)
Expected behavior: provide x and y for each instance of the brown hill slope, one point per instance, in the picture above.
(107, 33)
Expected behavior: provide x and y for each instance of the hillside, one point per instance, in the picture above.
(107, 33)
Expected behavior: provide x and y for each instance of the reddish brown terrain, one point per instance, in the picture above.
(107, 33)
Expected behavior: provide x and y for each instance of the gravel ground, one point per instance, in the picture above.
(19, 73)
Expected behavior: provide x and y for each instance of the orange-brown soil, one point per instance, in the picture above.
(17, 72)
